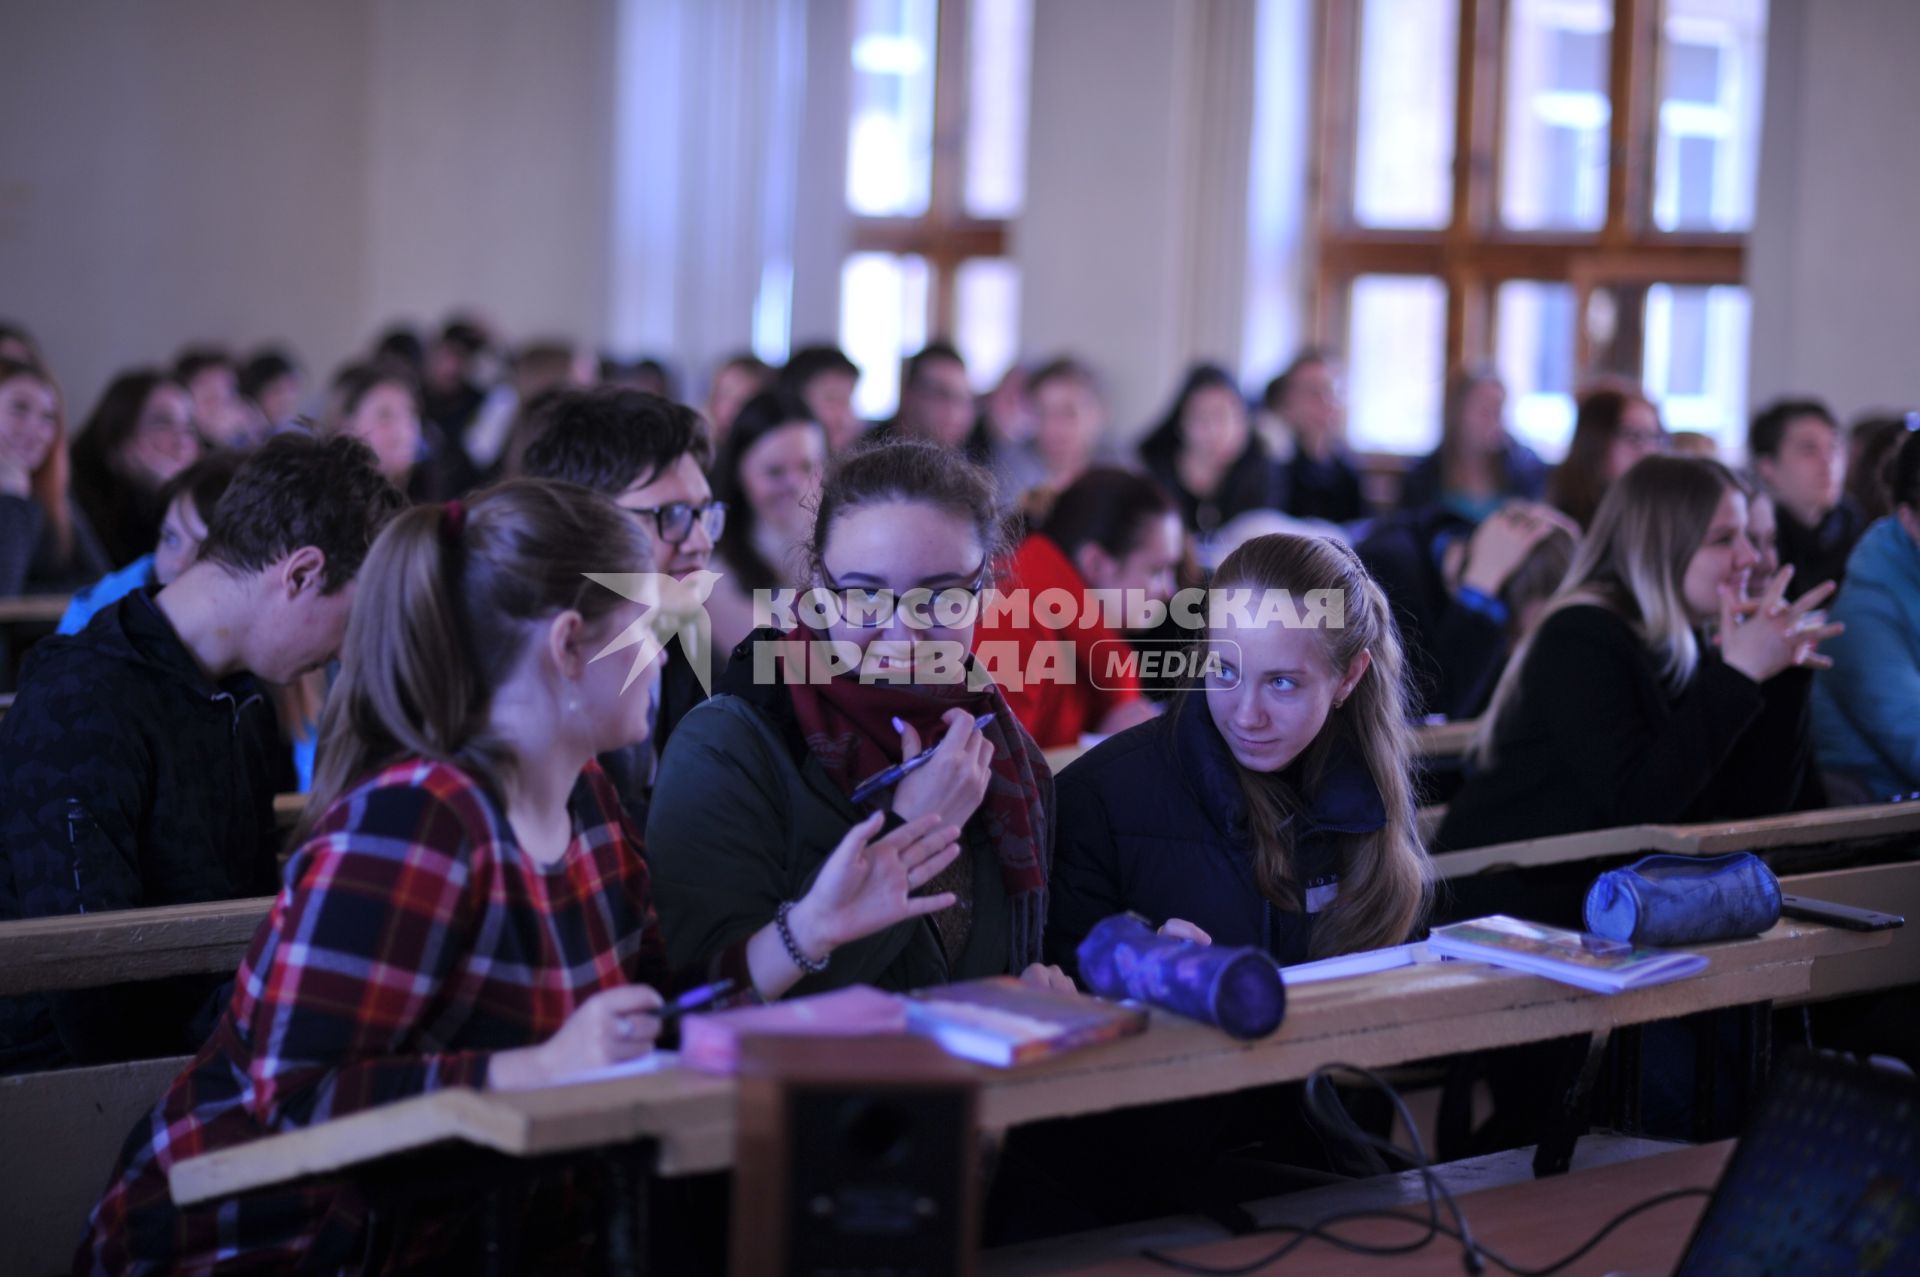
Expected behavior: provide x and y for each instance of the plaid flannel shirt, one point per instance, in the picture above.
(412, 940)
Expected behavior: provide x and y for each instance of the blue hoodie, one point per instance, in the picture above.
(1866, 709)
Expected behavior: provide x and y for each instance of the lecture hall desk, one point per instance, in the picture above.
(1378, 1020)
(1532, 1222)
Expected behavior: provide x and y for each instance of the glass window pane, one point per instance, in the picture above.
(999, 45)
(1553, 158)
(1712, 56)
(1535, 358)
(1403, 146)
(890, 136)
(987, 318)
(883, 318)
(1696, 360)
(1396, 351)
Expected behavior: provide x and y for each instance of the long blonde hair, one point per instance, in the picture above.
(441, 619)
(1386, 878)
(1634, 563)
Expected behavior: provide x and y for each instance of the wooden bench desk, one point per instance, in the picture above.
(1710, 838)
(1532, 1223)
(1387, 1018)
(34, 609)
(1887, 889)
(86, 951)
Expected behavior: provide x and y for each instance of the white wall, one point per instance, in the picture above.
(231, 171)
(490, 144)
(174, 172)
(1132, 246)
(1834, 259)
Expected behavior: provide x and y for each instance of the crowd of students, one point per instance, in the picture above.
(405, 582)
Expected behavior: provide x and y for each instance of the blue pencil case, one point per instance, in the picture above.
(1664, 901)
(1237, 990)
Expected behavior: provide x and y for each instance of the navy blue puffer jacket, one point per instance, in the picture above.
(1154, 821)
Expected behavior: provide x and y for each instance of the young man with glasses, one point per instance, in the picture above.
(650, 455)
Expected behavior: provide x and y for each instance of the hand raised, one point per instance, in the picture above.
(1764, 636)
(867, 884)
(1503, 541)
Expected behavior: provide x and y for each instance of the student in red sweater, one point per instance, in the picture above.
(1111, 531)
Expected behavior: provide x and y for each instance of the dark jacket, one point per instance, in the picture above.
(30, 562)
(124, 516)
(1253, 482)
(1595, 741)
(743, 817)
(1819, 553)
(1455, 653)
(1327, 489)
(1525, 477)
(1154, 821)
(128, 779)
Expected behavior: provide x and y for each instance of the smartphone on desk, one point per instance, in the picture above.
(1838, 915)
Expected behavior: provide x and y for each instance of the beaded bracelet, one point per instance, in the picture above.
(812, 966)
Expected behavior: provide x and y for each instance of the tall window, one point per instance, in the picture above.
(1560, 188)
(936, 167)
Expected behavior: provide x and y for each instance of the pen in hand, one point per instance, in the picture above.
(899, 771)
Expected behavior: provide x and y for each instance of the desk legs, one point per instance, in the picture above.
(1572, 1112)
(629, 1194)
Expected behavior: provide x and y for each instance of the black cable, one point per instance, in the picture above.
(1324, 1105)
(1310, 1231)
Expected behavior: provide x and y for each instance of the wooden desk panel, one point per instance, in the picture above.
(1533, 1224)
(34, 609)
(1712, 838)
(1386, 1018)
(88, 950)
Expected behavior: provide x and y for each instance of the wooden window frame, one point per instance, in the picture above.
(1473, 254)
(946, 236)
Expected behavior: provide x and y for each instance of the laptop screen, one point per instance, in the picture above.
(1826, 1181)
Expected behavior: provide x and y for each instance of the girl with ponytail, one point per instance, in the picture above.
(468, 904)
(1271, 806)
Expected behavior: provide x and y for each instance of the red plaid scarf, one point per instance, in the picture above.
(848, 726)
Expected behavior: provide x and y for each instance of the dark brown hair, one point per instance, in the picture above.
(760, 416)
(1871, 446)
(205, 482)
(1769, 428)
(1580, 480)
(295, 491)
(1107, 507)
(907, 470)
(1905, 473)
(1276, 391)
(609, 438)
(115, 419)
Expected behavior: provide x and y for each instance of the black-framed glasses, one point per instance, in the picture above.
(872, 607)
(674, 521)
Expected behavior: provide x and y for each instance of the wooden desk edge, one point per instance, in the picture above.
(1797, 829)
(646, 1105)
